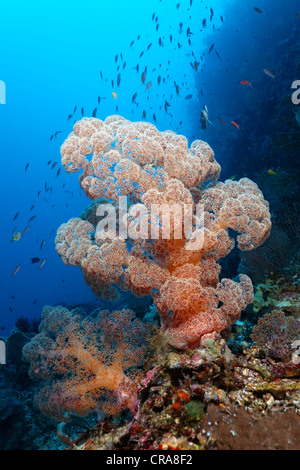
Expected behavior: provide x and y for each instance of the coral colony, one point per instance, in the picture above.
(85, 361)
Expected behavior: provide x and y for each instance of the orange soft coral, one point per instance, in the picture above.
(85, 363)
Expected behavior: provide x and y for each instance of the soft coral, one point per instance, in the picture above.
(84, 361)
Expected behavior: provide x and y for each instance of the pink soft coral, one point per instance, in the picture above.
(121, 158)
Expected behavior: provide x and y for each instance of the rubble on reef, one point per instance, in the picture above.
(208, 399)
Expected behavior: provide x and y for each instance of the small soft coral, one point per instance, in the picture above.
(275, 333)
(85, 363)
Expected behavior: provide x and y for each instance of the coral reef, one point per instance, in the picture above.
(120, 158)
(208, 399)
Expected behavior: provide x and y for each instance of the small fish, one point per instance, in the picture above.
(235, 125)
(58, 172)
(118, 79)
(42, 244)
(204, 118)
(188, 97)
(17, 269)
(221, 121)
(26, 167)
(269, 73)
(42, 263)
(114, 95)
(16, 237)
(35, 260)
(95, 112)
(154, 117)
(148, 86)
(211, 48)
(271, 172)
(218, 55)
(16, 215)
(31, 218)
(144, 114)
(232, 177)
(246, 83)
(82, 111)
(258, 10)
(143, 77)
(25, 230)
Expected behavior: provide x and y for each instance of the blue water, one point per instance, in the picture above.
(51, 57)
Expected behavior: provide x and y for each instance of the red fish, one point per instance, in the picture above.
(269, 73)
(143, 77)
(221, 121)
(16, 270)
(246, 83)
(148, 85)
(235, 125)
(42, 263)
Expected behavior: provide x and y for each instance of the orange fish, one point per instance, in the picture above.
(246, 83)
(42, 263)
(114, 95)
(16, 270)
(269, 73)
(235, 125)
